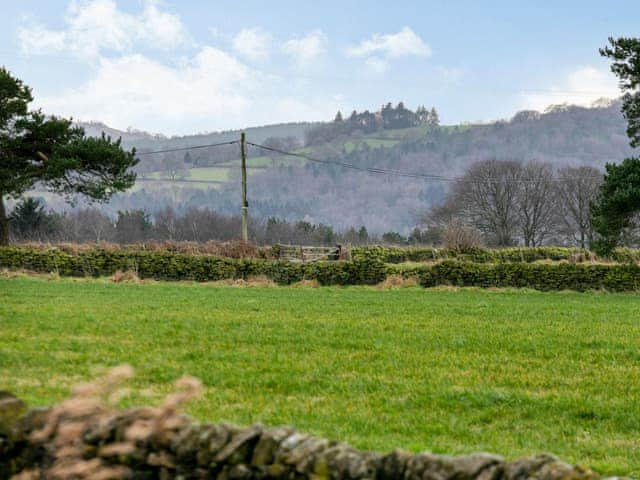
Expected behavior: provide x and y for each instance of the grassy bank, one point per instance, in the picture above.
(511, 372)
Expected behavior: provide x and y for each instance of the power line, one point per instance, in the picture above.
(353, 167)
(418, 175)
(211, 145)
(372, 170)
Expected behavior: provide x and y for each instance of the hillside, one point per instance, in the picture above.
(149, 141)
(294, 188)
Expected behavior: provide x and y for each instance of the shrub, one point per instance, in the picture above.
(127, 276)
(460, 237)
(395, 280)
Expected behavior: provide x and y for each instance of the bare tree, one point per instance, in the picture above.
(488, 193)
(458, 236)
(87, 225)
(577, 188)
(97, 226)
(441, 214)
(536, 202)
(166, 224)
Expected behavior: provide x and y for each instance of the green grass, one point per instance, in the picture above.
(511, 372)
(209, 173)
(220, 173)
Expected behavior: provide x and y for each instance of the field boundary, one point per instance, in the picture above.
(363, 269)
(161, 442)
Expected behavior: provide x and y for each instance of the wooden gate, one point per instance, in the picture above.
(303, 254)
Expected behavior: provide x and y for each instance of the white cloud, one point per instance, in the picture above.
(36, 39)
(135, 90)
(583, 86)
(93, 26)
(307, 49)
(203, 89)
(253, 44)
(393, 45)
(162, 28)
(210, 91)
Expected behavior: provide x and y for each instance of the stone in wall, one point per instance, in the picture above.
(83, 439)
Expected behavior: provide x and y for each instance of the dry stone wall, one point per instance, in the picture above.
(81, 439)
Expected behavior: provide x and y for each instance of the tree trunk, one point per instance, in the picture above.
(4, 223)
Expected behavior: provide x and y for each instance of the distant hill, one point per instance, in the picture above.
(149, 141)
(293, 188)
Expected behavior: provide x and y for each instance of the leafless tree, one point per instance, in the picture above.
(488, 194)
(87, 225)
(201, 225)
(536, 202)
(577, 188)
(441, 214)
(458, 236)
(166, 224)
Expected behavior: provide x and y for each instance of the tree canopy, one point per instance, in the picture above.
(48, 151)
(625, 53)
(619, 199)
(388, 118)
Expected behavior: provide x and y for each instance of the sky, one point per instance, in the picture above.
(187, 66)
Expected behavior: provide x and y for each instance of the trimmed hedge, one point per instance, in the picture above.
(164, 265)
(487, 255)
(364, 269)
(563, 276)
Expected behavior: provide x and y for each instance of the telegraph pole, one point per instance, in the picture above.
(245, 204)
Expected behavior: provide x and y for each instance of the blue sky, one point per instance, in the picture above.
(178, 67)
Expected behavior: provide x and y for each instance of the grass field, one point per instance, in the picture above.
(511, 372)
(222, 173)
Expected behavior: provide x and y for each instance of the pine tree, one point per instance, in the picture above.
(29, 219)
(619, 200)
(52, 152)
(422, 115)
(625, 53)
(434, 118)
(363, 235)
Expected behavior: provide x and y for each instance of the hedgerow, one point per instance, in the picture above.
(165, 265)
(489, 255)
(562, 276)
(365, 268)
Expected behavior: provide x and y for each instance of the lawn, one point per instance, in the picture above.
(511, 372)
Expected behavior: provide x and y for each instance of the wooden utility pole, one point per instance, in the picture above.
(245, 204)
